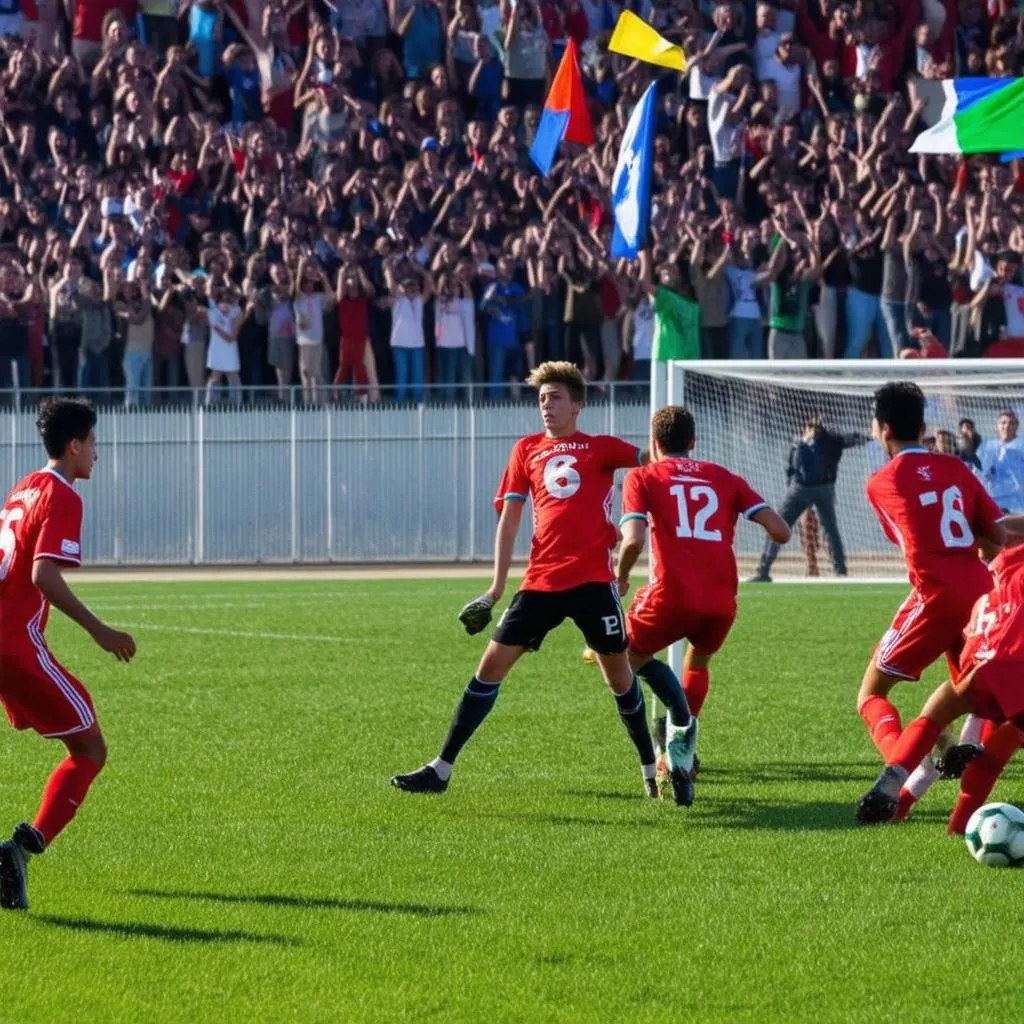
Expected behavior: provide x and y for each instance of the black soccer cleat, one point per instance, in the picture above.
(953, 762)
(476, 615)
(682, 787)
(423, 780)
(876, 807)
(13, 876)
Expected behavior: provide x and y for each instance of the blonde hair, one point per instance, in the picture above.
(560, 372)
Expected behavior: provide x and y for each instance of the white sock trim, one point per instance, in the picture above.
(971, 731)
(443, 769)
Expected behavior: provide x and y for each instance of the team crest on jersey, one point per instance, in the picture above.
(925, 472)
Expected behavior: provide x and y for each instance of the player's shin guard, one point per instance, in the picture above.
(981, 774)
(475, 706)
(695, 685)
(663, 681)
(633, 712)
(883, 722)
(64, 793)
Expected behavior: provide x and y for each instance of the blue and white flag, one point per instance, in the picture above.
(631, 186)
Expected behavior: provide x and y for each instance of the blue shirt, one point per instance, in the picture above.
(503, 315)
(488, 90)
(246, 102)
(202, 34)
(424, 40)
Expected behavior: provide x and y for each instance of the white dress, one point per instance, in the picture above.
(222, 356)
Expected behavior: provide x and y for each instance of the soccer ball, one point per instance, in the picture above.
(995, 836)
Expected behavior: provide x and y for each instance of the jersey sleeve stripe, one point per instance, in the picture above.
(639, 456)
(512, 496)
(57, 558)
(632, 515)
(754, 509)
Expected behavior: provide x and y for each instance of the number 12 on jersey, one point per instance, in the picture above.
(705, 503)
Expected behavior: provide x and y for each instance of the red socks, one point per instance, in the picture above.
(981, 774)
(913, 745)
(695, 685)
(883, 722)
(64, 793)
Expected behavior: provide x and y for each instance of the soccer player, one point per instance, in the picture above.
(40, 534)
(692, 508)
(938, 512)
(990, 684)
(569, 476)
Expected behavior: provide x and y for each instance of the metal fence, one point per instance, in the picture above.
(181, 484)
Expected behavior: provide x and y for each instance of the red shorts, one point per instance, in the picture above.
(997, 690)
(924, 629)
(654, 623)
(38, 693)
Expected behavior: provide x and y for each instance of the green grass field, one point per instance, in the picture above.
(244, 859)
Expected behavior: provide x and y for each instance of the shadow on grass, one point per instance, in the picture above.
(574, 821)
(605, 794)
(814, 816)
(793, 771)
(308, 903)
(166, 933)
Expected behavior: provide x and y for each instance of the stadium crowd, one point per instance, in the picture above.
(231, 193)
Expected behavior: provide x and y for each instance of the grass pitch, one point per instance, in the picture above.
(244, 859)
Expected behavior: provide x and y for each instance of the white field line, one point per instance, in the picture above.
(242, 633)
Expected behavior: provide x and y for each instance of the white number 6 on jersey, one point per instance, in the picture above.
(7, 539)
(560, 479)
(956, 530)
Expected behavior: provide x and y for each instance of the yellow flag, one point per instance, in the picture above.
(633, 37)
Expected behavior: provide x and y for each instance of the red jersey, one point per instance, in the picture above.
(41, 518)
(996, 629)
(935, 508)
(692, 508)
(570, 480)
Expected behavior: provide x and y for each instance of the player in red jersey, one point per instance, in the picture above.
(40, 534)
(990, 684)
(569, 476)
(938, 512)
(692, 508)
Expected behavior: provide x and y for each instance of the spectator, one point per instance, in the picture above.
(225, 319)
(502, 302)
(1002, 464)
(133, 306)
(312, 301)
(354, 294)
(811, 472)
(281, 352)
(526, 56)
(97, 335)
(968, 443)
(407, 296)
(455, 333)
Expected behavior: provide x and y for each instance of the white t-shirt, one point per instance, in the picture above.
(448, 324)
(1013, 299)
(643, 329)
(726, 138)
(788, 81)
(467, 310)
(744, 294)
(407, 322)
(309, 319)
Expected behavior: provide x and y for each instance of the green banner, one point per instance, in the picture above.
(676, 326)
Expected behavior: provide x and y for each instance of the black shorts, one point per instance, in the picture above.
(594, 607)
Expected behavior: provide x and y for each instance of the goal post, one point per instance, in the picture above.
(749, 413)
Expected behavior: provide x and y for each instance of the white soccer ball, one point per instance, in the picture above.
(995, 836)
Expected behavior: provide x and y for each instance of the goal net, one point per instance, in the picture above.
(749, 415)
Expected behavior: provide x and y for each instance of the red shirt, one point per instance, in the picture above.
(935, 508)
(42, 518)
(354, 318)
(996, 629)
(692, 508)
(89, 15)
(570, 480)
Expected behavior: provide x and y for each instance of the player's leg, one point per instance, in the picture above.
(475, 705)
(696, 678)
(944, 706)
(909, 646)
(981, 775)
(40, 694)
(597, 612)
(680, 738)
(530, 616)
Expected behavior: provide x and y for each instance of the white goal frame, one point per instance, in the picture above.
(668, 378)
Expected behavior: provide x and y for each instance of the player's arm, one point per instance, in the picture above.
(773, 524)
(634, 533)
(48, 578)
(623, 455)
